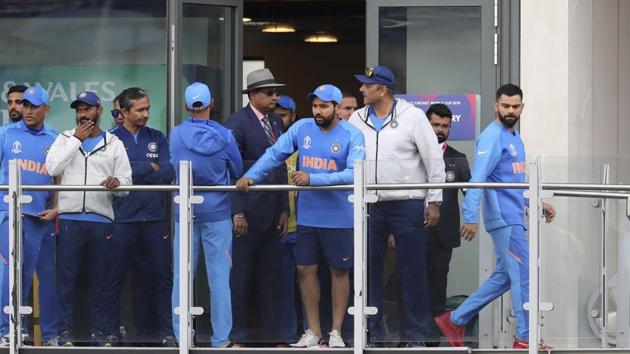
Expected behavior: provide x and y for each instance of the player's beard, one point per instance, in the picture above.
(442, 138)
(509, 120)
(327, 121)
(15, 116)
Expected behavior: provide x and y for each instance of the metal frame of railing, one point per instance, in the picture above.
(536, 190)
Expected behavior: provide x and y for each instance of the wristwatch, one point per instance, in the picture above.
(436, 203)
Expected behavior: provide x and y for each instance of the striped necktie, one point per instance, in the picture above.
(268, 130)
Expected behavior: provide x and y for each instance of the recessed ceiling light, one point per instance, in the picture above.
(279, 28)
(321, 38)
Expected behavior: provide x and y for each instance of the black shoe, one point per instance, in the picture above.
(169, 341)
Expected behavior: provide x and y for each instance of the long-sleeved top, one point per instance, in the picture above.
(328, 158)
(499, 157)
(215, 159)
(146, 147)
(403, 150)
(29, 147)
(79, 167)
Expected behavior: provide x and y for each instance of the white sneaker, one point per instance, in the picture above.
(4, 341)
(335, 340)
(308, 340)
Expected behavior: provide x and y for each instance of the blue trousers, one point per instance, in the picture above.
(33, 231)
(145, 249)
(47, 276)
(405, 220)
(215, 238)
(511, 272)
(93, 240)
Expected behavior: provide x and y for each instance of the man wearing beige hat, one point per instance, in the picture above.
(260, 218)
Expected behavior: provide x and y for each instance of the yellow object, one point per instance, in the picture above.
(291, 168)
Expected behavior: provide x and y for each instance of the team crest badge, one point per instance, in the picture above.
(513, 150)
(335, 148)
(17, 147)
(307, 142)
(450, 176)
(152, 147)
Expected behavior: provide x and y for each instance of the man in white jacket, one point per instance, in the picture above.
(401, 148)
(87, 155)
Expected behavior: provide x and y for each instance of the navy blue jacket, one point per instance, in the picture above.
(152, 146)
(262, 209)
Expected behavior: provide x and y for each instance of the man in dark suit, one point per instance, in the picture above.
(442, 239)
(260, 218)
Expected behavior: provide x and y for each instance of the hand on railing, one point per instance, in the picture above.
(301, 178)
(549, 212)
(110, 182)
(243, 184)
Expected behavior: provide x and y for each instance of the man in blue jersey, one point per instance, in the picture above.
(45, 267)
(327, 148)
(87, 156)
(28, 142)
(215, 159)
(141, 227)
(499, 158)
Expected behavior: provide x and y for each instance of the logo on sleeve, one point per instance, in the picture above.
(17, 147)
(307, 142)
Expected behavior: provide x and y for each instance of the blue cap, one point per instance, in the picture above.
(36, 95)
(87, 97)
(378, 75)
(197, 92)
(286, 102)
(327, 92)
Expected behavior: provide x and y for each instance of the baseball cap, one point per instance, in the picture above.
(286, 102)
(378, 75)
(197, 92)
(87, 97)
(327, 92)
(36, 95)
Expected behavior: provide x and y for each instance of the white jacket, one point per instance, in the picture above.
(405, 150)
(108, 158)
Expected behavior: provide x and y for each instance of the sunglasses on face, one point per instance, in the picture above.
(270, 92)
(115, 113)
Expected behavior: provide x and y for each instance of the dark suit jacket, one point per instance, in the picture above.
(457, 170)
(261, 208)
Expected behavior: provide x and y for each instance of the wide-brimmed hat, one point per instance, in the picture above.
(261, 78)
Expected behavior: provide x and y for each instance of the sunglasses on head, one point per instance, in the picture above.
(115, 113)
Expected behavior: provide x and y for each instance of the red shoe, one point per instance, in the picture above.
(524, 344)
(452, 332)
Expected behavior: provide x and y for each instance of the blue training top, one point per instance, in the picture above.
(29, 147)
(499, 157)
(329, 158)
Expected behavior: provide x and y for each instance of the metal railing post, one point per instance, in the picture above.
(360, 268)
(535, 209)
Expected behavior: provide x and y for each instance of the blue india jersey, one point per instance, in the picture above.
(328, 158)
(29, 148)
(499, 157)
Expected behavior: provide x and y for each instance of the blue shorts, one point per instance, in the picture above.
(313, 243)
